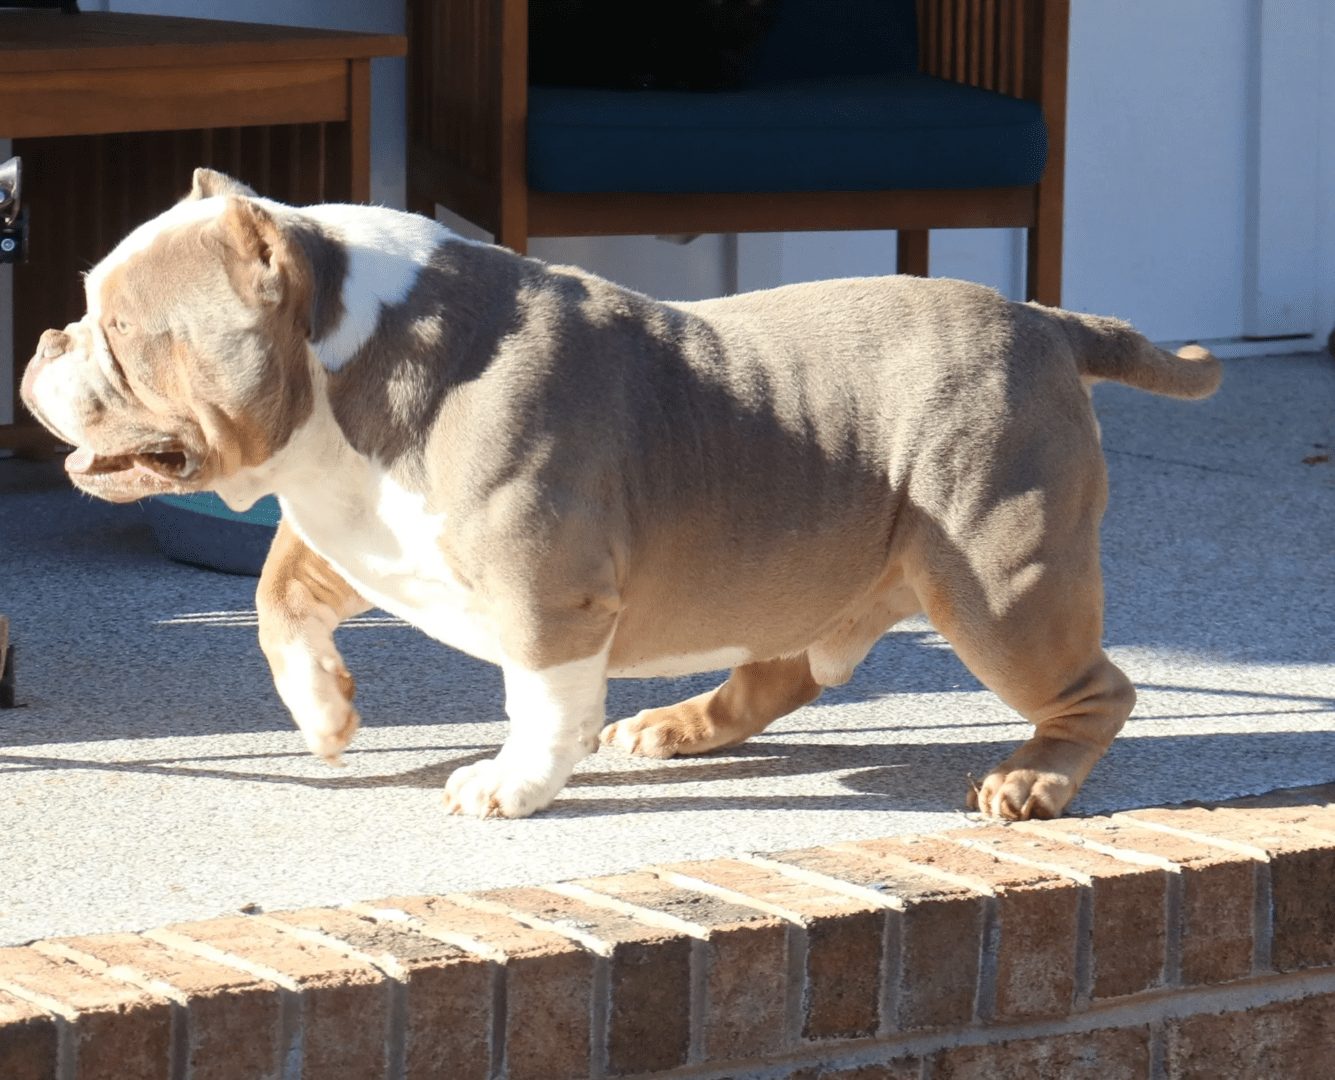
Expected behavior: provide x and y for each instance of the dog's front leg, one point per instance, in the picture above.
(301, 599)
(555, 716)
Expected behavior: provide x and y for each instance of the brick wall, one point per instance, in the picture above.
(1175, 943)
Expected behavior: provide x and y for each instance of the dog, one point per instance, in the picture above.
(576, 482)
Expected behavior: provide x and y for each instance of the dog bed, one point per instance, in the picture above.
(199, 529)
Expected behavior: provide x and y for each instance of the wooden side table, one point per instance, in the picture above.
(111, 112)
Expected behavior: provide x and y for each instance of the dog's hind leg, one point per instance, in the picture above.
(1075, 729)
(753, 696)
(300, 600)
(759, 693)
(1026, 617)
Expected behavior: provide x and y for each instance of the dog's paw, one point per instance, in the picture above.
(635, 736)
(1037, 781)
(664, 733)
(330, 737)
(1022, 794)
(323, 711)
(490, 789)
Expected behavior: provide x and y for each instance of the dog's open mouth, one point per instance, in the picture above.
(157, 469)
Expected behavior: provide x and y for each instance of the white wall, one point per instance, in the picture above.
(1199, 167)
(1325, 135)
(660, 268)
(1156, 164)
(992, 256)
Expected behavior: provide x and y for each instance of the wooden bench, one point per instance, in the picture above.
(474, 136)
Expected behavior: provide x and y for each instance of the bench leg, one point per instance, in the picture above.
(1045, 246)
(912, 249)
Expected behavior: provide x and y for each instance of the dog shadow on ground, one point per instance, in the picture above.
(935, 777)
(769, 772)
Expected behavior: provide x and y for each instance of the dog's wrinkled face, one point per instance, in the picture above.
(191, 360)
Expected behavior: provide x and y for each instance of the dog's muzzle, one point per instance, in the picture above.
(47, 399)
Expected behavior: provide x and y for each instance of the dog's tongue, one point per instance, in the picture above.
(81, 460)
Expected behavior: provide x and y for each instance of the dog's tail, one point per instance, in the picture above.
(1110, 349)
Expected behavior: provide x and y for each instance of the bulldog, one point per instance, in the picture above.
(576, 482)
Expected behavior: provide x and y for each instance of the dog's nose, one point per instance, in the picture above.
(54, 343)
(51, 344)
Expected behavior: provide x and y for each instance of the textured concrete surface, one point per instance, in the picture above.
(153, 775)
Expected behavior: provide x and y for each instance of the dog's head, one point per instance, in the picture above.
(191, 361)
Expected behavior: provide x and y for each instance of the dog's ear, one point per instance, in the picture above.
(259, 257)
(208, 183)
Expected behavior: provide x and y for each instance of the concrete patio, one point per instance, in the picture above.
(152, 775)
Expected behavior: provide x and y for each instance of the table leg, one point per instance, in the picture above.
(359, 128)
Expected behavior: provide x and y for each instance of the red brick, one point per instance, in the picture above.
(27, 1040)
(1110, 1054)
(746, 961)
(649, 975)
(120, 1031)
(1288, 1040)
(1037, 921)
(448, 992)
(344, 1003)
(1218, 901)
(1318, 817)
(548, 984)
(234, 1023)
(845, 942)
(1302, 864)
(1128, 905)
(940, 933)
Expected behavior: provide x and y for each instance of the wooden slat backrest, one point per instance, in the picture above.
(993, 44)
(454, 57)
(1016, 47)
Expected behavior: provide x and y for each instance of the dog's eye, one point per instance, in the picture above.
(121, 325)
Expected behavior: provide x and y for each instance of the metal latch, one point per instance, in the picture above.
(13, 214)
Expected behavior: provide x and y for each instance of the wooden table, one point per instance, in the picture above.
(105, 73)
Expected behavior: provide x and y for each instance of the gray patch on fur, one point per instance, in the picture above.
(328, 257)
(444, 333)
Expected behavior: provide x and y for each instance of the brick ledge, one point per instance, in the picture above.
(1179, 942)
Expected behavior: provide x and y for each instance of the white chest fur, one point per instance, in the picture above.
(384, 541)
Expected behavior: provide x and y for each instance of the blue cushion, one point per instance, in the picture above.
(871, 133)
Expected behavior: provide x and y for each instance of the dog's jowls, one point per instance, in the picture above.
(575, 482)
